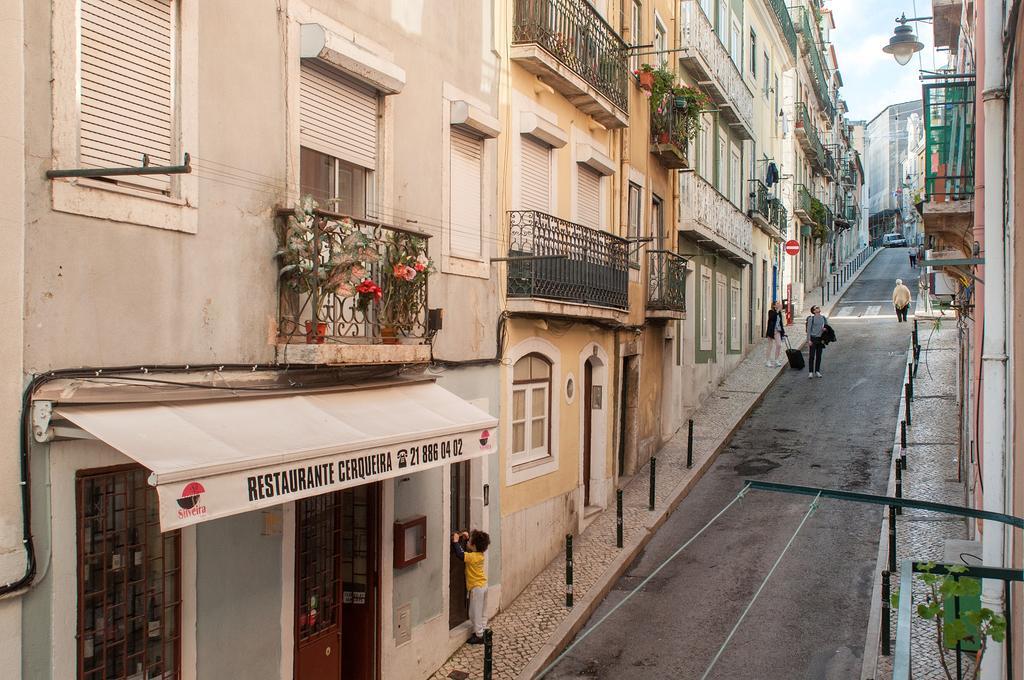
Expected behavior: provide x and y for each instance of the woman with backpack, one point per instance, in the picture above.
(775, 332)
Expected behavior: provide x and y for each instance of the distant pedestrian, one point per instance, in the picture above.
(816, 324)
(470, 548)
(901, 300)
(775, 332)
(913, 257)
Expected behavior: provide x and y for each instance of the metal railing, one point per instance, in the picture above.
(702, 204)
(759, 198)
(668, 128)
(327, 260)
(555, 259)
(949, 140)
(786, 23)
(778, 217)
(579, 37)
(811, 42)
(806, 125)
(666, 281)
(698, 40)
(830, 164)
(802, 199)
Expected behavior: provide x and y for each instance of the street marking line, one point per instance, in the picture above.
(843, 312)
(873, 310)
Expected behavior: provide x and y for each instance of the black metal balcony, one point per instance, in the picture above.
(554, 259)
(576, 35)
(778, 217)
(666, 281)
(759, 198)
(668, 136)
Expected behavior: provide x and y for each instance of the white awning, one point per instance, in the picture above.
(217, 458)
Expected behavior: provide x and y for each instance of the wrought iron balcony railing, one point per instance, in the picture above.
(350, 280)
(802, 201)
(852, 213)
(808, 134)
(759, 198)
(830, 164)
(712, 216)
(949, 140)
(668, 136)
(555, 259)
(778, 216)
(785, 23)
(811, 40)
(666, 281)
(575, 34)
(703, 53)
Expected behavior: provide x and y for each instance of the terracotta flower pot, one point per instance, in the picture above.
(389, 335)
(646, 79)
(663, 137)
(316, 337)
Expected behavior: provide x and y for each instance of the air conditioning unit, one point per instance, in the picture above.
(942, 285)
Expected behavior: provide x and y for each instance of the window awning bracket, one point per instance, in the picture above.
(144, 169)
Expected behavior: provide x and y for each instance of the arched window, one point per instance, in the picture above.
(531, 409)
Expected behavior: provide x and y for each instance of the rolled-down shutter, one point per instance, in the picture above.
(588, 197)
(466, 157)
(535, 184)
(337, 115)
(127, 56)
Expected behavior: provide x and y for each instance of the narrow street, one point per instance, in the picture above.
(810, 620)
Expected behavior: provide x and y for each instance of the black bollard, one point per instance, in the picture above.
(892, 538)
(568, 570)
(906, 394)
(886, 626)
(488, 654)
(654, 467)
(903, 443)
(899, 485)
(910, 380)
(689, 444)
(618, 518)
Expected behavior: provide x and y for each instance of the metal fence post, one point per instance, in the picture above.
(689, 444)
(892, 538)
(910, 379)
(903, 444)
(906, 394)
(568, 570)
(886, 628)
(618, 518)
(488, 654)
(899, 484)
(654, 467)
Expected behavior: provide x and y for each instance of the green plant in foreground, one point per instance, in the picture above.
(976, 626)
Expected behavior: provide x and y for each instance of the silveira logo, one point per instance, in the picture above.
(188, 501)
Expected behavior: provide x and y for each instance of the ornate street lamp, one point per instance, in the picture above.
(904, 44)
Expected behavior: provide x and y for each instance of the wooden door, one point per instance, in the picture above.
(587, 405)
(458, 604)
(360, 571)
(317, 588)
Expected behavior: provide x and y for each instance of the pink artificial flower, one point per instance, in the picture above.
(409, 273)
(419, 266)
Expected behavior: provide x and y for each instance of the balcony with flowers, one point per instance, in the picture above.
(675, 117)
(352, 291)
(704, 55)
(570, 46)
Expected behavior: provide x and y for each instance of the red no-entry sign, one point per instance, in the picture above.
(792, 247)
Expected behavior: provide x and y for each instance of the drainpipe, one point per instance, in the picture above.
(993, 357)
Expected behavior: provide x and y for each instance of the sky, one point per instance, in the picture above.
(872, 79)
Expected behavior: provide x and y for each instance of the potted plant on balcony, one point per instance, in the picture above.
(689, 102)
(645, 77)
(323, 258)
(406, 269)
(817, 215)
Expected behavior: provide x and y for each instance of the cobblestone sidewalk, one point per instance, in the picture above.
(538, 623)
(931, 475)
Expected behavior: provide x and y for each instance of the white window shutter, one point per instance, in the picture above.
(337, 115)
(588, 197)
(535, 176)
(465, 197)
(127, 57)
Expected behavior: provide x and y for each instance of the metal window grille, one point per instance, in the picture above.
(318, 563)
(129, 580)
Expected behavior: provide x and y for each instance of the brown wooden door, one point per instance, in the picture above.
(317, 588)
(588, 416)
(360, 571)
(458, 604)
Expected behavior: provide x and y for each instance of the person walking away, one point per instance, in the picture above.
(815, 346)
(901, 300)
(912, 252)
(775, 332)
(470, 548)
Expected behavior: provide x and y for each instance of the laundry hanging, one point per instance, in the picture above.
(771, 175)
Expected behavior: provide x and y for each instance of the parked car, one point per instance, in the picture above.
(894, 241)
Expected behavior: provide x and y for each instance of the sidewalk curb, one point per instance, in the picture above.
(572, 624)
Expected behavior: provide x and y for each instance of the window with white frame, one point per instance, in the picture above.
(753, 54)
(635, 30)
(735, 176)
(465, 193)
(734, 315)
(706, 310)
(736, 44)
(534, 175)
(635, 210)
(338, 137)
(659, 40)
(531, 409)
(767, 74)
(722, 29)
(127, 85)
(705, 6)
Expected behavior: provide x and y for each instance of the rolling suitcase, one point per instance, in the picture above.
(795, 356)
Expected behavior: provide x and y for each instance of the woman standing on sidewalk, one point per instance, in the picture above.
(815, 328)
(775, 332)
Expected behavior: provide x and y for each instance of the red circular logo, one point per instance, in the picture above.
(190, 495)
(792, 247)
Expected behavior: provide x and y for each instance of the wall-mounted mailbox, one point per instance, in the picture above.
(410, 541)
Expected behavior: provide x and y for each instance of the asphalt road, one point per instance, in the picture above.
(810, 621)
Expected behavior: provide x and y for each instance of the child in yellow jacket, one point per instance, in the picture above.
(470, 548)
